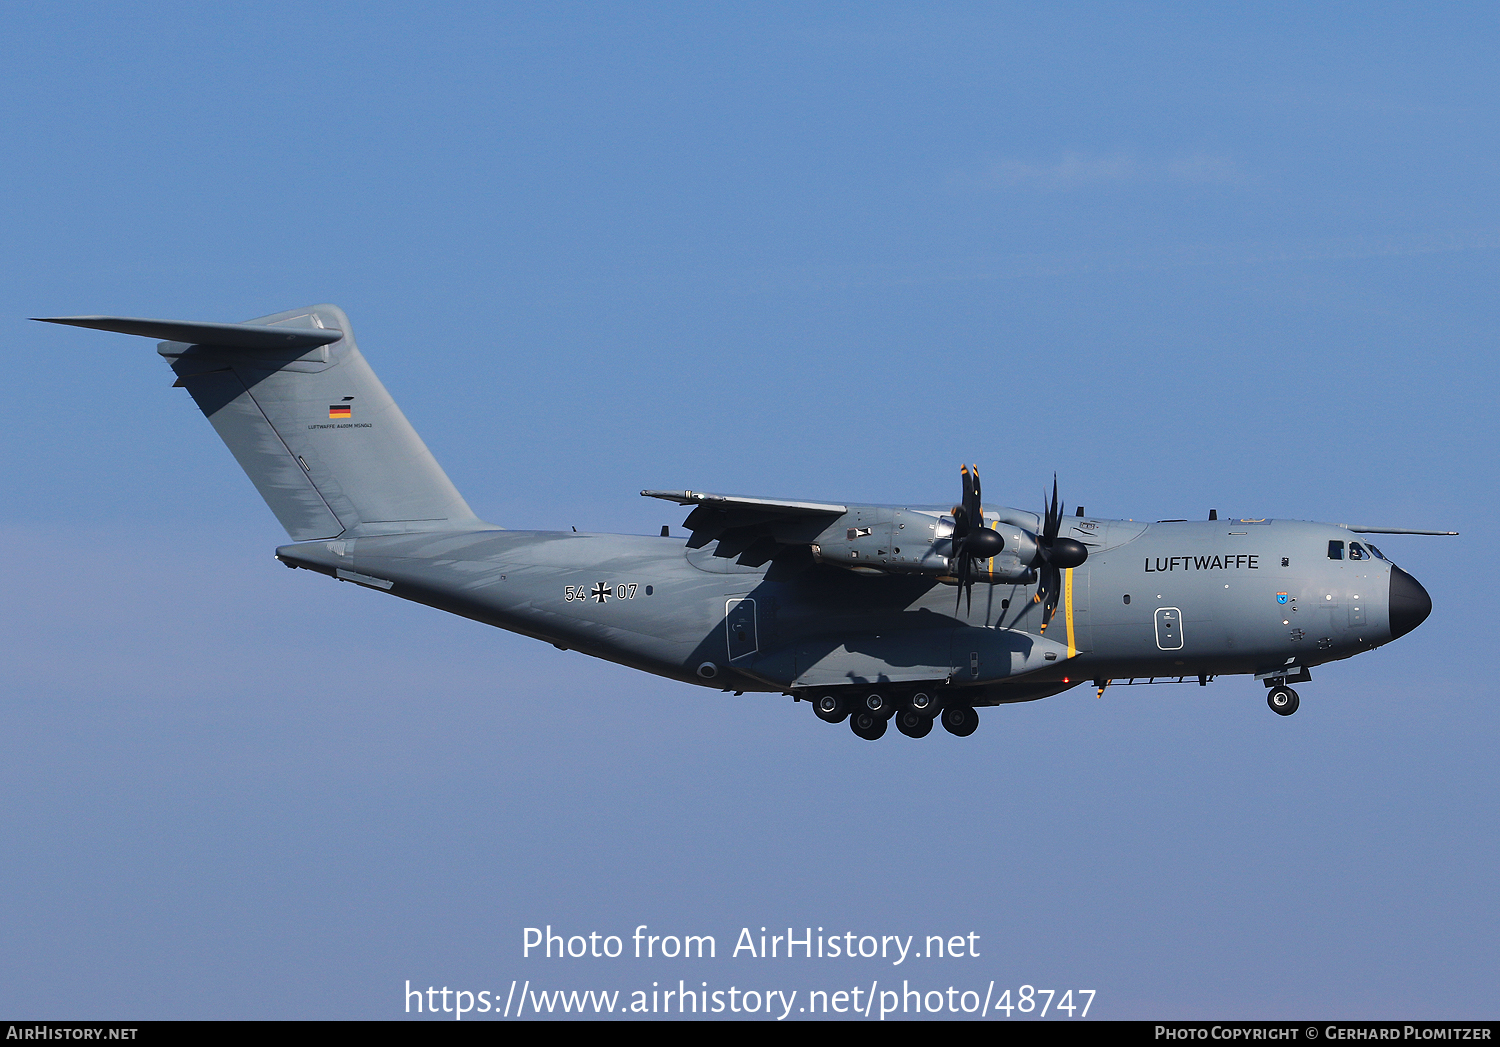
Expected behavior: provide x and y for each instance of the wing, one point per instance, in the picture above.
(1391, 530)
(755, 530)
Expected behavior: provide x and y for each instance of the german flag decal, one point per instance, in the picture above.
(338, 411)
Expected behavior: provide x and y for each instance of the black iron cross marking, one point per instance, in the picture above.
(601, 592)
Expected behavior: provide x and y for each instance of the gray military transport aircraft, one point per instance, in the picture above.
(868, 612)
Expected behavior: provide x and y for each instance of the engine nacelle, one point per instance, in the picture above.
(909, 541)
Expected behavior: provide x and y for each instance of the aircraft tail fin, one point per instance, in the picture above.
(308, 421)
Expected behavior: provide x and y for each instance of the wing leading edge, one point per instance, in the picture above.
(753, 530)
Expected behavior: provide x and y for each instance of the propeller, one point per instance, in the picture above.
(972, 540)
(1053, 556)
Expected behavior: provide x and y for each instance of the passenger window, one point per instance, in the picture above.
(1335, 550)
(1356, 552)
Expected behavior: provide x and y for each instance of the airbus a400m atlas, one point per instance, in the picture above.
(869, 612)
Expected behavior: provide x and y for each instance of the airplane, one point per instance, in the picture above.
(869, 613)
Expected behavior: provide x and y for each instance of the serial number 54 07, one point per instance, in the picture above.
(600, 592)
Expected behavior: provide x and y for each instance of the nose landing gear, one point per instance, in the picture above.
(1282, 700)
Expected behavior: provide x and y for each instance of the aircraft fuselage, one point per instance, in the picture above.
(1171, 599)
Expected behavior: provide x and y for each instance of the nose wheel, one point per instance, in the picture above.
(1282, 700)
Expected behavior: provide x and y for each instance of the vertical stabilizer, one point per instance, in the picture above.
(309, 422)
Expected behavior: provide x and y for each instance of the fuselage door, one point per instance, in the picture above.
(1169, 628)
(739, 623)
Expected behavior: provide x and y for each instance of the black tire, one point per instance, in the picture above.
(960, 720)
(924, 703)
(830, 708)
(877, 703)
(1282, 700)
(867, 725)
(913, 724)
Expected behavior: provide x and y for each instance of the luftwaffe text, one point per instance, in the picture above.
(1240, 561)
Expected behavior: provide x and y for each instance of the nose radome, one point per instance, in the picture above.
(1410, 605)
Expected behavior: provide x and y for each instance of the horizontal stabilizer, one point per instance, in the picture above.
(228, 336)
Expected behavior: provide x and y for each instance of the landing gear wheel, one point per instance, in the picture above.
(913, 725)
(878, 704)
(960, 720)
(1283, 700)
(867, 725)
(831, 708)
(923, 704)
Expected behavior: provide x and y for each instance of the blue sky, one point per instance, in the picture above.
(1186, 257)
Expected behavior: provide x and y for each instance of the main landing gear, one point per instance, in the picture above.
(961, 720)
(867, 725)
(870, 713)
(831, 708)
(1282, 700)
(869, 719)
(913, 724)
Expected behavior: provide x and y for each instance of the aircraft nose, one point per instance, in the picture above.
(1410, 605)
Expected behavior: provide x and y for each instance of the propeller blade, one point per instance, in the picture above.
(971, 539)
(1046, 593)
(961, 512)
(964, 581)
(1054, 555)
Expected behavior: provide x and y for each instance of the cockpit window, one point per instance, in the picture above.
(1376, 551)
(1335, 550)
(1357, 552)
